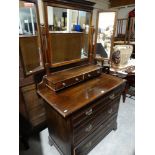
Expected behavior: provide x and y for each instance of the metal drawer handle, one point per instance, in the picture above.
(98, 71)
(110, 111)
(89, 75)
(89, 144)
(112, 96)
(76, 79)
(64, 84)
(89, 128)
(89, 112)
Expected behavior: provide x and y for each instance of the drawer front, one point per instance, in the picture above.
(92, 140)
(99, 117)
(68, 82)
(92, 74)
(86, 113)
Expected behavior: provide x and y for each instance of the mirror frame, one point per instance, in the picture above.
(40, 40)
(114, 30)
(68, 4)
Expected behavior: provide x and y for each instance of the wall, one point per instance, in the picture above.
(123, 12)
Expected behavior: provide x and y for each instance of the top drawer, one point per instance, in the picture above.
(86, 113)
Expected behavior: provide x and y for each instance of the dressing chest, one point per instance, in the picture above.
(81, 115)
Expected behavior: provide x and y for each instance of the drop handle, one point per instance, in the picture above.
(112, 96)
(110, 111)
(89, 112)
(89, 128)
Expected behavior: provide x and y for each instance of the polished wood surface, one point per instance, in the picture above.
(79, 117)
(82, 94)
(73, 72)
(60, 80)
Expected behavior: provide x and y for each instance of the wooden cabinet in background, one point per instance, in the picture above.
(34, 105)
(31, 65)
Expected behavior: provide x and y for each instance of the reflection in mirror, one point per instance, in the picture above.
(68, 30)
(29, 39)
(106, 21)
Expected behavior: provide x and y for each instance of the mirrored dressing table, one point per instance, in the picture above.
(81, 102)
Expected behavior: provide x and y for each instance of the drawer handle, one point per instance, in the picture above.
(89, 75)
(110, 111)
(64, 84)
(89, 112)
(88, 144)
(112, 96)
(89, 128)
(98, 72)
(76, 79)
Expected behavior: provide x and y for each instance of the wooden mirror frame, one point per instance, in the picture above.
(114, 29)
(68, 4)
(41, 68)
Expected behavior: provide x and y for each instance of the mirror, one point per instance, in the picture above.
(105, 34)
(29, 38)
(68, 34)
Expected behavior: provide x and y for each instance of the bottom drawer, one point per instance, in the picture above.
(91, 141)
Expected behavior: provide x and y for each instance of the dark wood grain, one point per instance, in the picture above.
(80, 116)
(73, 72)
(70, 100)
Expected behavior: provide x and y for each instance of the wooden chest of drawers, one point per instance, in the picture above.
(80, 116)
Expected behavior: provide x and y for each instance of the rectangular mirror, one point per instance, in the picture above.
(68, 34)
(105, 34)
(29, 38)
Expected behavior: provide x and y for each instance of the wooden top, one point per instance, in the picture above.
(73, 98)
(70, 73)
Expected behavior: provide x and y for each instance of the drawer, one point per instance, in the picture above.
(99, 117)
(92, 74)
(68, 82)
(92, 140)
(87, 112)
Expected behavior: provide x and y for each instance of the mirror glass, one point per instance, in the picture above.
(68, 34)
(106, 22)
(29, 38)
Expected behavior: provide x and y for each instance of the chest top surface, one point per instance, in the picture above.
(69, 100)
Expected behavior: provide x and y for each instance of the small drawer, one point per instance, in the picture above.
(68, 82)
(92, 74)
